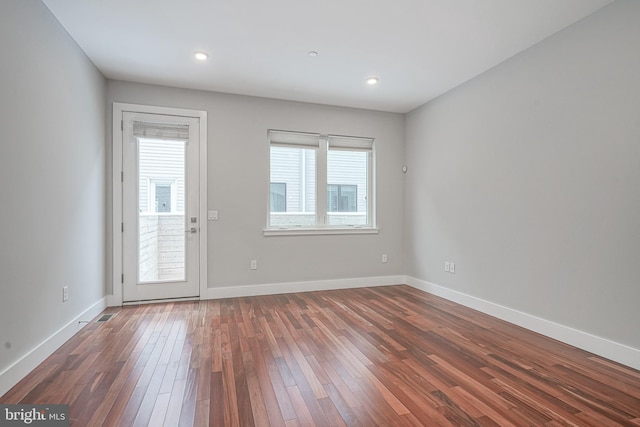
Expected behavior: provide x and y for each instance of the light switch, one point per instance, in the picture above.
(212, 216)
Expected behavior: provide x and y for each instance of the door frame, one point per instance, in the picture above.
(116, 193)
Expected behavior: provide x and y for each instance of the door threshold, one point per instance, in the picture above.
(160, 301)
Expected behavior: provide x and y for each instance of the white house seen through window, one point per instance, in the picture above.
(163, 198)
(320, 181)
(342, 198)
(278, 197)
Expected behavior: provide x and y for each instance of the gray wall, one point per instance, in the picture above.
(52, 166)
(238, 185)
(528, 178)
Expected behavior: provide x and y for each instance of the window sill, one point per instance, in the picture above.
(318, 231)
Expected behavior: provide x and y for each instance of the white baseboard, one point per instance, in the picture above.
(617, 352)
(287, 288)
(19, 369)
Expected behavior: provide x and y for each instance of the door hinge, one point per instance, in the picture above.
(122, 227)
(122, 278)
(121, 176)
(121, 124)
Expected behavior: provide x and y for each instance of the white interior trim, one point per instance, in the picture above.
(302, 231)
(617, 352)
(159, 301)
(117, 140)
(116, 204)
(27, 363)
(291, 287)
(203, 221)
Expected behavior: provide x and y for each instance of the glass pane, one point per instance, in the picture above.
(278, 197)
(342, 198)
(293, 188)
(161, 221)
(347, 177)
(163, 198)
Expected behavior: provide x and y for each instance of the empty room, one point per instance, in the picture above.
(341, 213)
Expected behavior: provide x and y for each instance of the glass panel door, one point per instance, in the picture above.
(161, 215)
(160, 207)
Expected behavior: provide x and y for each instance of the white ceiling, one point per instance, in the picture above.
(418, 48)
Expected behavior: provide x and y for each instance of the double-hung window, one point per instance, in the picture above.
(320, 182)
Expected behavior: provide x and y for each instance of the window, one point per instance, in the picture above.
(163, 198)
(293, 167)
(160, 195)
(278, 197)
(342, 198)
(320, 181)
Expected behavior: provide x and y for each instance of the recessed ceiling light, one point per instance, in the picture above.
(312, 53)
(201, 56)
(372, 81)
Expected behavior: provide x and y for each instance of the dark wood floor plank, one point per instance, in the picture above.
(388, 356)
(295, 359)
(242, 396)
(264, 381)
(338, 382)
(346, 412)
(123, 397)
(216, 402)
(280, 388)
(415, 396)
(302, 388)
(231, 415)
(304, 416)
(256, 397)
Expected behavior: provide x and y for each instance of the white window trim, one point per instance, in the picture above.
(322, 149)
(308, 231)
(115, 299)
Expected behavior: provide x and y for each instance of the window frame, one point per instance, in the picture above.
(325, 143)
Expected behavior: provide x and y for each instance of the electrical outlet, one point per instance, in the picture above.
(452, 268)
(65, 293)
(384, 257)
(254, 264)
(447, 266)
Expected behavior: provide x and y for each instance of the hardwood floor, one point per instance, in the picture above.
(387, 356)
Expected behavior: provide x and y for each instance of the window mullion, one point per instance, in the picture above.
(371, 189)
(321, 182)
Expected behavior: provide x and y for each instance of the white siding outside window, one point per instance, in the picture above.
(161, 164)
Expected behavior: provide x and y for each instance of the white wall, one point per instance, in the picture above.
(528, 178)
(52, 166)
(238, 186)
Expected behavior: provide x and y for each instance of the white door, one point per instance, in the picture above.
(160, 190)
